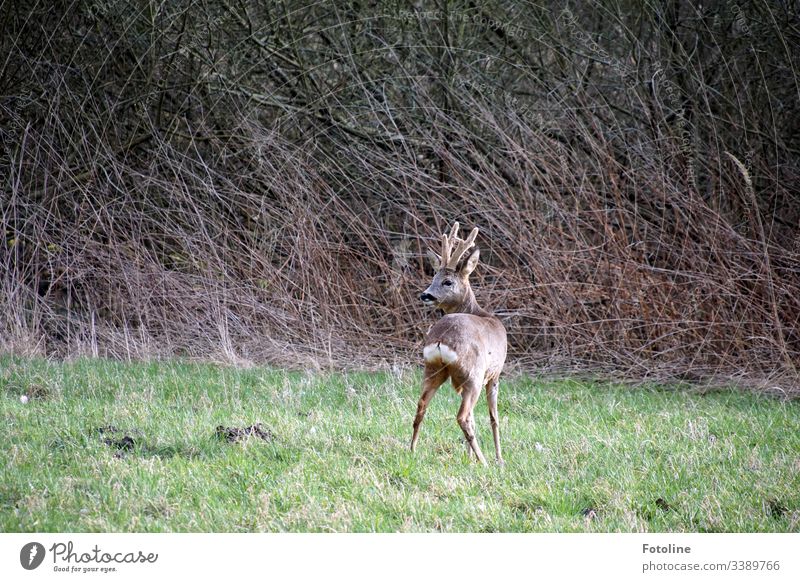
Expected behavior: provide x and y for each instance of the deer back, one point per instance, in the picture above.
(474, 344)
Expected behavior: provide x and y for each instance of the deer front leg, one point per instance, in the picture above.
(492, 389)
(468, 399)
(435, 376)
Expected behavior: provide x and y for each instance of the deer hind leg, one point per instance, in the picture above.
(435, 375)
(492, 389)
(469, 396)
(472, 428)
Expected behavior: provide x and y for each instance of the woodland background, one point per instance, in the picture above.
(258, 181)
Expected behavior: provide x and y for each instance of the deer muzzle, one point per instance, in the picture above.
(427, 298)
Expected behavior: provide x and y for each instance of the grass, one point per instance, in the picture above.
(581, 456)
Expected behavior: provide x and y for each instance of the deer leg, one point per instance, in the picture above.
(469, 397)
(472, 426)
(435, 376)
(491, 397)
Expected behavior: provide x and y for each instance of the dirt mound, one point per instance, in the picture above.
(234, 434)
(117, 438)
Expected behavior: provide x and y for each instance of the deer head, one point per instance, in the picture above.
(450, 290)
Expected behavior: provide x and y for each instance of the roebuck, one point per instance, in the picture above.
(467, 345)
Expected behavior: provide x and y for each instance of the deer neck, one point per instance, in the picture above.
(468, 305)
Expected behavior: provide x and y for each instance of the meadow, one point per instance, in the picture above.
(97, 445)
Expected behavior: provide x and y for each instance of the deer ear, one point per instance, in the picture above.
(471, 263)
(434, 259)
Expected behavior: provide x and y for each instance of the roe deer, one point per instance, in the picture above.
(467, 345)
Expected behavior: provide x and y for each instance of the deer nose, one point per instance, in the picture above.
(427, 298)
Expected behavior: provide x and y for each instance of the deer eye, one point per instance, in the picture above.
(447, 282)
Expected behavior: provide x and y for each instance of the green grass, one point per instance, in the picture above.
(632, 459)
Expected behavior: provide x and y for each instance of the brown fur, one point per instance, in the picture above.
(475, 336)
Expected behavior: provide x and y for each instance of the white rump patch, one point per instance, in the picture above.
(439, 352)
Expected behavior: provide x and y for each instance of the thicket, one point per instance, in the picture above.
(259, 180)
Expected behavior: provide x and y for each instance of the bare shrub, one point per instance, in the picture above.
(249, 182)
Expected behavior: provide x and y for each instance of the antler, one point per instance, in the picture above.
(453, 248)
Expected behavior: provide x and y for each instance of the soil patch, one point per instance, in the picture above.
(235, 434)
(117, 438)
